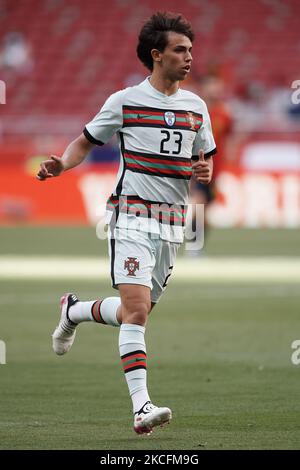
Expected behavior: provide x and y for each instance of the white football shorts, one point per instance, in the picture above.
(142, 258)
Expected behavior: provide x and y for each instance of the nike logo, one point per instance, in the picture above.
(143, 116)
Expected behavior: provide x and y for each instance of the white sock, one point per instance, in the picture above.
(105, 309)
(133, 355)
(81, 311)
(108, 310)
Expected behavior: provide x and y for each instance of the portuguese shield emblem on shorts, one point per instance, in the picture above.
(170, 118)
(131, 264)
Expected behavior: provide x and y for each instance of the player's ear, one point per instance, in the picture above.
(156, 55)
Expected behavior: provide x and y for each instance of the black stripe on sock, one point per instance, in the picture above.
(132, 353)
(134, 368)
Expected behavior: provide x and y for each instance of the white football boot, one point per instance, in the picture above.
(64, 334)
(150, 416)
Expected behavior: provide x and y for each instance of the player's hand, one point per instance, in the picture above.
(50, 168)
(202, 169)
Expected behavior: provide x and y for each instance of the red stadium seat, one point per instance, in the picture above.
(77, 46)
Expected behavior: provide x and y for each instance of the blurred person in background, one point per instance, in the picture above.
(160, 127)
(248, 105)
(212, 90)
(16, 53)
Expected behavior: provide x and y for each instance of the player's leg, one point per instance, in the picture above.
(149, 415)
(135, 308)
(73, 312)
(106, 311)
(132, 261)
(103, 311)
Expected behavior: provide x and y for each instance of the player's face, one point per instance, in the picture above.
(176, 59)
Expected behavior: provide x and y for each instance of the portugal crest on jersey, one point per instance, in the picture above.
(131, 264)
(191, 120)
(170, 118)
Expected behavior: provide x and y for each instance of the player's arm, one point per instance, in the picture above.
(204, 147)
(74, 154)
(203, 168)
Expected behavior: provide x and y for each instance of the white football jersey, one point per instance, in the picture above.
(158, 135)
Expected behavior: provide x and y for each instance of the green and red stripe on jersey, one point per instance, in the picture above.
(134, 360)
(137, 116)
(158, 165)
(165, 213)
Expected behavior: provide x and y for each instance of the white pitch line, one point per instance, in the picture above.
(216, 293)
(267, 269)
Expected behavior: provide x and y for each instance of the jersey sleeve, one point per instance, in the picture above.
(204, 139)
(107, 122)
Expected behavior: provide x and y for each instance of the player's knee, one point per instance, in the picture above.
(137, 313)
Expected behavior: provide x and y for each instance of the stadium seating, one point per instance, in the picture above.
(83, 51)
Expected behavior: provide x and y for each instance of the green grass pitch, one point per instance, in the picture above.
(219, 356)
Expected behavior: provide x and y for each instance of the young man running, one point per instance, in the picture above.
(161, 130)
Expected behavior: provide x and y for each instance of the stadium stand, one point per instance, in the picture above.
(83, 51)
(60, 59)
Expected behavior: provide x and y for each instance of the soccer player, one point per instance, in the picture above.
(160, 128)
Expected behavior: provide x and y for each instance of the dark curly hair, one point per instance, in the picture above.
(153, 34)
